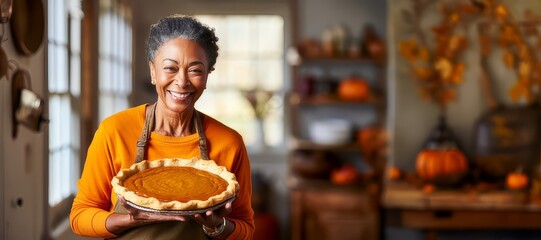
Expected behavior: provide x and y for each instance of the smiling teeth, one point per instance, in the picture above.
(179, 95)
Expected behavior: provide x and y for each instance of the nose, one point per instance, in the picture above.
(182, 78)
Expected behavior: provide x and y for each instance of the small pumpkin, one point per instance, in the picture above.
(371, 140)
(394, 173)
(444, 166)
(428, 188)
(353, 88)
(516, 180)
(344, 175)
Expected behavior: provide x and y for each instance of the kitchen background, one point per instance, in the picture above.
(317, 45)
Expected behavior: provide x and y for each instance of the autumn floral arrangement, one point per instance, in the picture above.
(434, 56)
(519, 40)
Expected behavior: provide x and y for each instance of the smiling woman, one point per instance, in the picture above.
(181, 54)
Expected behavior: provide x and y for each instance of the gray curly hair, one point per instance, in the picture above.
(186, 27)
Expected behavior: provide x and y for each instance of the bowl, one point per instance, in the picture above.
(308, 164)
(331, 131)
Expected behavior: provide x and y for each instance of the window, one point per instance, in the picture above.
(64, 78)
(245, 90)
(115, 57)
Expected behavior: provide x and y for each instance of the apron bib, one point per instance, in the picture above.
(188, 229)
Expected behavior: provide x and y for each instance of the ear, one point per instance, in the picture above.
(152, 70)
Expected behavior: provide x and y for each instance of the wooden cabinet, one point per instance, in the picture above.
(334, 213)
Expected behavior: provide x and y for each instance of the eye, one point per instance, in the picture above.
(170, 69)
(195, 70)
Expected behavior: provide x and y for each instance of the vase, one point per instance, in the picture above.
(441, 135)
(441, 160)
(260, 143)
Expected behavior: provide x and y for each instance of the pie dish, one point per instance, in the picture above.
(176, 184)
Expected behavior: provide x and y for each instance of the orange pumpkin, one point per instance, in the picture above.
(371, 140)
(394, 173)
(516, 180)
(344, 175)
(441, 166)
(353, 89)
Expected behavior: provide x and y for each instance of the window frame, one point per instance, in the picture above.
(72, 13)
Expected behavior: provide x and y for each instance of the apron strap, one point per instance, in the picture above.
(145, 134)
(201, 132)
(149, 125)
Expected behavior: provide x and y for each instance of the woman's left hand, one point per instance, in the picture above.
(214, 218)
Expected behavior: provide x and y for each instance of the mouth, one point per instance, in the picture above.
(179, 96)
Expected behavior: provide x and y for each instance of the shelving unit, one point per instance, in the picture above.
(351, 211)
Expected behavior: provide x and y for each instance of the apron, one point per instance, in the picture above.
(188, 229)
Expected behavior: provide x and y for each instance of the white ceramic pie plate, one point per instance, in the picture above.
(181, 212)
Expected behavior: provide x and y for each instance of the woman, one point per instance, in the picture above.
(181, 53)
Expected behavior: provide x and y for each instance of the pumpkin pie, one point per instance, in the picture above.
(175, 184)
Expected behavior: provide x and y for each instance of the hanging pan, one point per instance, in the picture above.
(27, 25)
(5, 11)
(27, 107)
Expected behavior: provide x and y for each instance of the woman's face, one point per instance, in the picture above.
(179, 70)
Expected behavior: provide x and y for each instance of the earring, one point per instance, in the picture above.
(152, 82)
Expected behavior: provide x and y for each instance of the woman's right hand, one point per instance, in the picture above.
(117, 223)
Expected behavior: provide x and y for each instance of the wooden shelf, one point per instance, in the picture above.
(296, 99)
(297, 182)
(302, 144)
(357, 60)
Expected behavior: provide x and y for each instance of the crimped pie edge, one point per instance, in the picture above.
(154, 203)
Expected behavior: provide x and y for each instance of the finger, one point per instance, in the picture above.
(199, 218)
(226, 209)
(176, 218)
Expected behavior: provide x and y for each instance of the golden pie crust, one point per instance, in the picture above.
(176, 184)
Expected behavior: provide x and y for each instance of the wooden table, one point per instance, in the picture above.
(409, 207)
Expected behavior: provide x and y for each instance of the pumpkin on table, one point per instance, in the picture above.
(441, 166)
(516, 180)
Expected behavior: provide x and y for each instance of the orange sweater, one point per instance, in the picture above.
(114, 147)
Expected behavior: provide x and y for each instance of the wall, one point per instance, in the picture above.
(317, 15)
(23, 159)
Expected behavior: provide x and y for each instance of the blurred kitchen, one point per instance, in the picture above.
(363, 119)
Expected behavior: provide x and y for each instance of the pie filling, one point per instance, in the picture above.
(176, 183)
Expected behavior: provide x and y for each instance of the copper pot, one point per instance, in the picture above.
(27, 106)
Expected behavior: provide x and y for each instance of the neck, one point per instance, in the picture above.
(174, 124)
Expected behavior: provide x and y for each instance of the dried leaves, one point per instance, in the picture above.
(438, 70)
(519, 41)
(434, 54)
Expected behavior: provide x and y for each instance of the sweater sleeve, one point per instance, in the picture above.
(242, 213)
(91, 206)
